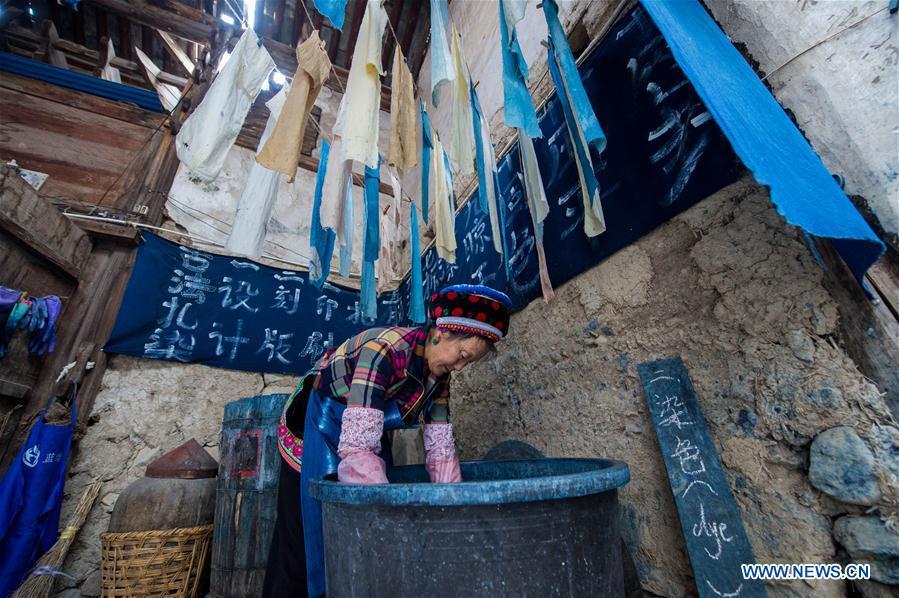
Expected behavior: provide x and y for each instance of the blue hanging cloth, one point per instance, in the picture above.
(442, 70)
(371, 243)
(577, 96)
(31, 498)
(427, 144)
(416, 286)
(577, 141)
(479, 149)
(518, 109)
(320, 239)
(334, 10)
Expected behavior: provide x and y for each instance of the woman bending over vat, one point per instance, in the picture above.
(382, 379)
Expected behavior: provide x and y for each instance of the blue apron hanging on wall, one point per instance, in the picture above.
(30, 499)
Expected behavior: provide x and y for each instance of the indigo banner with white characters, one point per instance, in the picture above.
(191, 306)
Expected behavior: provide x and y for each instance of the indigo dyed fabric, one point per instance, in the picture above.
(518, 108)
(580, 103)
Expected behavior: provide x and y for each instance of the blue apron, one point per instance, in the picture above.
(321, 435)
(30, 499)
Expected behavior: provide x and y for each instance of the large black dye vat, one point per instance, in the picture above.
(544, 527)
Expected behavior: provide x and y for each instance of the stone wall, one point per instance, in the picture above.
(144, 409)
(734, 291)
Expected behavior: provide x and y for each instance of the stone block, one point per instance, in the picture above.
(842, 466)
(869, 540)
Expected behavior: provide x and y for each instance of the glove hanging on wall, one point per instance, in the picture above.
(36, 315)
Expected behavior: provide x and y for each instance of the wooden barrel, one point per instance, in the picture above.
(246, 495)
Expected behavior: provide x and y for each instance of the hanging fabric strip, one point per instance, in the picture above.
(336, 174)
(444, 215)
(580, 103)
(539, 207)
(371, 243)
(346, 234)
(486, 162)
(594, 220)
(335, 10)
(260, 192)
(462, 146)
(390, 220)
(321, 240)
(480, 163)
(282, 151)
(416, 285)
(427, 146)
(358, 123)
(441, 61)
(501, 217)
(210, 131)
(403, 133)
(518, 109)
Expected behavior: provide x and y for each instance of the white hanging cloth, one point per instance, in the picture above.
(462, 148)
(259, 193)
(210, 131)
(358, 123)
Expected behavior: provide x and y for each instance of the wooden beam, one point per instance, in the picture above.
(166, 15)
(26, 216)
(109, 231)
(193, 25)
(82, 101)
(867, 329)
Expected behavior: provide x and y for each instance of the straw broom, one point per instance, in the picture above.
(40, 585)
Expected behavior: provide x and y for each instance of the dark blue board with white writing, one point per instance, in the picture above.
(664, 154)
(710, 519)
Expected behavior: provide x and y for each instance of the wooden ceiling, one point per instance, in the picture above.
(282, 24)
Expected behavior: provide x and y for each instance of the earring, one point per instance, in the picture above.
(434, 341)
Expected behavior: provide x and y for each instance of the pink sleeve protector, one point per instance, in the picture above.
(359, 447)
(441, 459)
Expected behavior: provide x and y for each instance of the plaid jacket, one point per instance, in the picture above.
(385, 364)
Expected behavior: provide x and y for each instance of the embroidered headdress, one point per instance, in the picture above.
(473, 309)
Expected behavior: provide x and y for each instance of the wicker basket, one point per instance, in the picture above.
(154, 563)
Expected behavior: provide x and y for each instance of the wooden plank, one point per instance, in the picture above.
(24, 215)
(867, 330)
(107, 230)
(886, 284)
(83, 152)
(8, 388)
(710, 519)
(120, 111)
